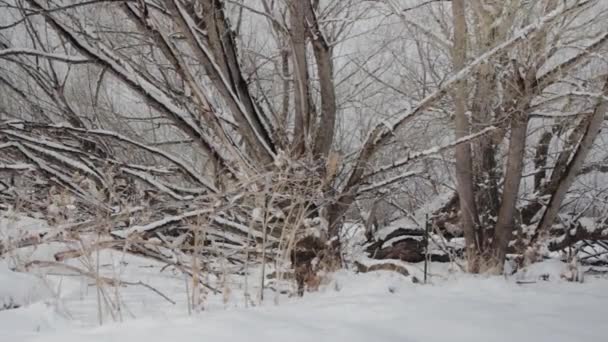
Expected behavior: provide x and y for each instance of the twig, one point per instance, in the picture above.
(106, 280)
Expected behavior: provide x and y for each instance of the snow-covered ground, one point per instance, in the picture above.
(377, 306)
(56, 305)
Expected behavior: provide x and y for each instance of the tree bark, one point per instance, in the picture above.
(302, 98)
(325, 127)
(250, 126)
(464, 167)
(503, 230)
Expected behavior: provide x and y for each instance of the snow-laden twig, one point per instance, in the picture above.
(75, 164)
(389, 181)
(17, 167)
(38, 53)
(41, 141)
(153, 226)
(104, 133)
(598, 96)
(433, 150)
(92, 224)
(550, 76)
(58, 176)
(241, 227)
(97, 277)
(150, 180)
(268, 16)
(579, 232)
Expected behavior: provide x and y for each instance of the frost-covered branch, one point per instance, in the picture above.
(383, 131)
(431, 151)
(188, 170)
(384, 183)
(37, 53)
(123, 70)
(583, 230)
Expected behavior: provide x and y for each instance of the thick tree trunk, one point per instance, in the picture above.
(302, 99)
(464, 167)
(503, 231)
(325, 127)
(223, 44)
(250, 126)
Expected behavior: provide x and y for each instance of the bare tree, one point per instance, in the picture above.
(503, 92)
(196, 111)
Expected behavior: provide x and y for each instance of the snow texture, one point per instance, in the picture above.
(19, 289)
(56, 305)
(370, 307)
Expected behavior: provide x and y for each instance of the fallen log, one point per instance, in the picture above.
(580, 232)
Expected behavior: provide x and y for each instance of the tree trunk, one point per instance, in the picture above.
(464, 167)
(303, 103)
(592, 129)
(505, 223)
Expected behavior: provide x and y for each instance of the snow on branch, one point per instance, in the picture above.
(37, 53)
(240, 230)
(40, 141)
(66, 161)
(156, 225)
(389, 181)
(598, 96)
(56, 175)
(104, 133)
(584, 229)
(550, 76)
(17, 167)
(161, 187)
(383, 131)
(45, 147)
(124, 71)
(433, 150)
(241, 227)
(276, 23)
(519, 36)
